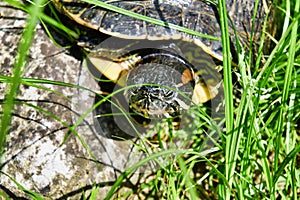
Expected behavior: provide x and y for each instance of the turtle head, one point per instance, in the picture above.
(154, 102)
(158, 91)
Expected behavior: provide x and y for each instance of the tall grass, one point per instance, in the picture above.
(258, 156)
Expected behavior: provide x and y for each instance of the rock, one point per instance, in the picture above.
(38, 153)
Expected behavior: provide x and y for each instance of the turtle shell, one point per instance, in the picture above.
(199, 16)
(163, 70)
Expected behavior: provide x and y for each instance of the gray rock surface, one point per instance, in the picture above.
(36, 155)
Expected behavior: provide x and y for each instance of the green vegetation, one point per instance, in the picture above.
(257, 156)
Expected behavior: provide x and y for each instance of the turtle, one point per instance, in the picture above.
(162, 71)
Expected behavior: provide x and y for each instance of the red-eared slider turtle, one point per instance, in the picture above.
(164, 70)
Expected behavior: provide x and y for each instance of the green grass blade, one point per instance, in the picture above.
(29, 193)
(285, 162)
(231, 137)
(187, 180)
(286, 88)
(95, 191)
